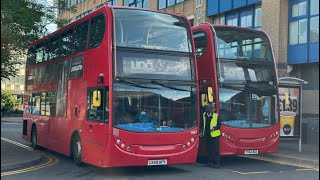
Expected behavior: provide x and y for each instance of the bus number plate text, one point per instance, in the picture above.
(251, 152)
(157, 162)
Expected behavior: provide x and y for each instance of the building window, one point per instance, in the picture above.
(257, 17)
(298, 32)
(299, 9)
(314, 21)
(162, 4)
(113, 2)
(171, 2)
(80, 1)
(246, 21)
(314, 7)
(219, 19)
(137, 3)
(69, 3)
(233, 21)
(314, 29)
(298, 23)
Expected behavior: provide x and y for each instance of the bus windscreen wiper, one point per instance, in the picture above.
(134, 83)
(167, 86)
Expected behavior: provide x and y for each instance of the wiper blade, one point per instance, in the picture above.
(134, 84)
(167, 86)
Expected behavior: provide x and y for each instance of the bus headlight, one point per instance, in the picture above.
(118, 141)
(123, 145)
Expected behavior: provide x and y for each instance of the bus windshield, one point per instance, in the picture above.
(147, 107)
(243, 44)
(248, 106)
(150, 30)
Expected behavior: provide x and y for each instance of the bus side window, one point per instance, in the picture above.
(98, 113)
(97, 28)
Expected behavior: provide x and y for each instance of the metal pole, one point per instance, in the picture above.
(300, 113)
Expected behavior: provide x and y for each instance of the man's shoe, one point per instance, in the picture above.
(210, 164)
(216, 166)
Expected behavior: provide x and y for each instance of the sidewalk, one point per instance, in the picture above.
(14, 157)
(289, 153)
(11, 119)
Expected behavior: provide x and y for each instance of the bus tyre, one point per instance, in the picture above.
(76, 150)
(34, 137)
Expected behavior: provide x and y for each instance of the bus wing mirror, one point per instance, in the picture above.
(96, 98)
(210, 94)
(204, 100)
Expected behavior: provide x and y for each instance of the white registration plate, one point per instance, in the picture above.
(157, 162)
(251, 152)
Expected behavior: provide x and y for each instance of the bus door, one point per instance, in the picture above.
(207, 72)
(96, 127)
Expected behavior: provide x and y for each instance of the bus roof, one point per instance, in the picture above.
(88, 16)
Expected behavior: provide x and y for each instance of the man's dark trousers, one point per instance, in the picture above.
(213, 150)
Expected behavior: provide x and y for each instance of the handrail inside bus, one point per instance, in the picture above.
(216, 50)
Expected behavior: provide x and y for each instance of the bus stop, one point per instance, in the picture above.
(290, 101)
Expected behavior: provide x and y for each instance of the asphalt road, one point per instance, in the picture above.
(233, 168)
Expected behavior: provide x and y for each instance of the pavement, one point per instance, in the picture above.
(16, 157)
(289, 153)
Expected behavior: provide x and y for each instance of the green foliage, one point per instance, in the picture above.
(22, 22)
(8, 101)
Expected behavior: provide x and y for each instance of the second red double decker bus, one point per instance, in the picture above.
(237, 64)
(115, 88)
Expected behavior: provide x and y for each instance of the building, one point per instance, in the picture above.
(293, 27)
(15, 84)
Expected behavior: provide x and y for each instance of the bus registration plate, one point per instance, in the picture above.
(251, 152)
(157, 162)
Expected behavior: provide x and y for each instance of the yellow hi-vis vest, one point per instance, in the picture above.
(213, 123)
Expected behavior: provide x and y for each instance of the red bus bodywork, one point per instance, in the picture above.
(98, 139)
(233, 141)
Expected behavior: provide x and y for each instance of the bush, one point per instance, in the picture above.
(14, 113)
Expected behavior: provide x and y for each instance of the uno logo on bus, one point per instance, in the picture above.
(145, 65)
(76, 68)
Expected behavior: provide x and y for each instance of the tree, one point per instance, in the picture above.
(8, 101)
(22, 22)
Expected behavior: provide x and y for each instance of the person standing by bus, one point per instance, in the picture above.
(212, 132)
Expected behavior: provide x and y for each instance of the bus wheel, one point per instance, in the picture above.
(76, 150)
(34, 137)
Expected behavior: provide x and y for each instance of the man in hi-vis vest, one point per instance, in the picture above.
(211, 131)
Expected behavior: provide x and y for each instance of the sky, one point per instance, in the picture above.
(51, 27)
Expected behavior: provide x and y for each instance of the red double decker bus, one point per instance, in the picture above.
(115, 88)
(238, 66)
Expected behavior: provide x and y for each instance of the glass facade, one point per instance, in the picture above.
(248, 17)
(162, 4)
(137, 3)
(303, 38)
